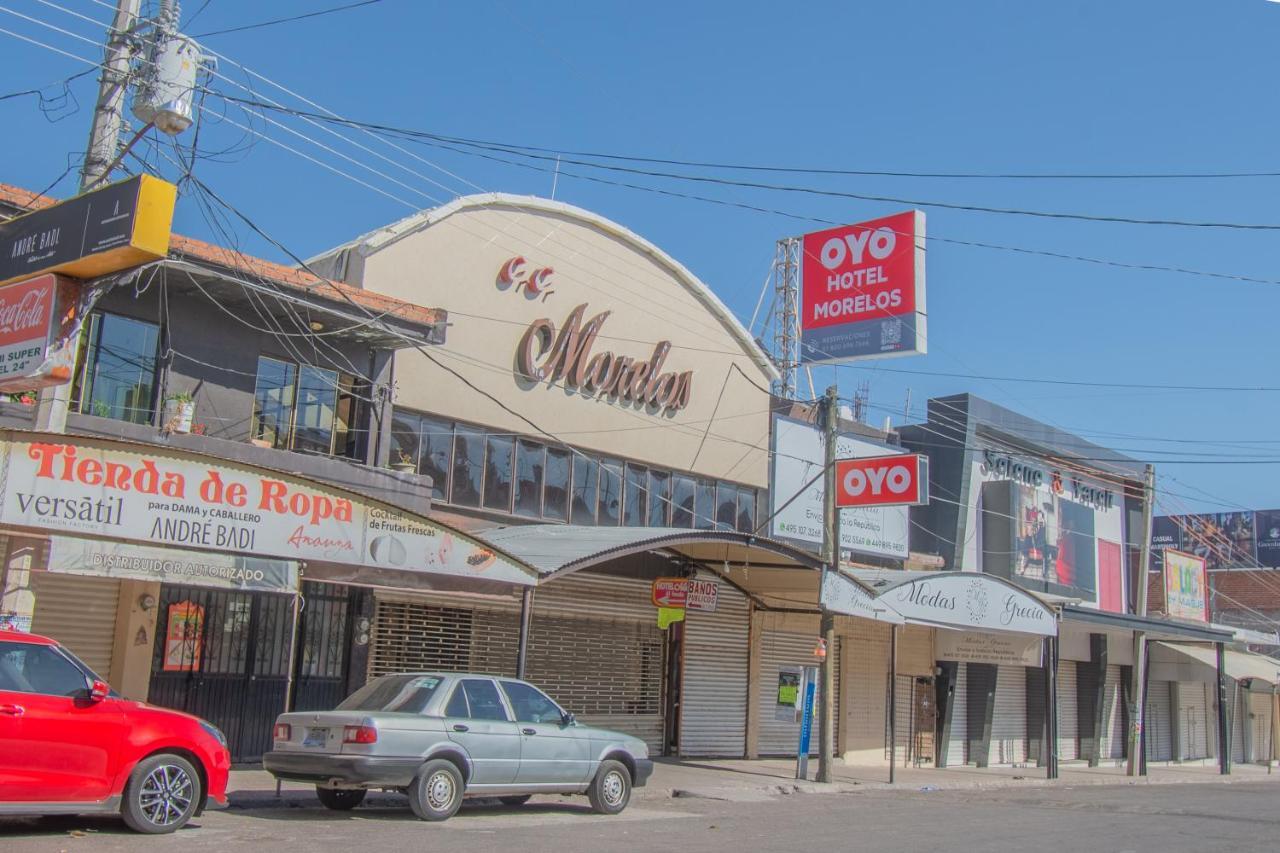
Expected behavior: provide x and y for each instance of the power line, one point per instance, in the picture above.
(273, 23)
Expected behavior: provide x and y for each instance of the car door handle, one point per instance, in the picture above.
(530, 731)
(12, 710)
(459, 727)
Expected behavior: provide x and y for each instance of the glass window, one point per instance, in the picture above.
(682, 500)
(704, 514)
(610, 492)
(483, 700)
(746, 510)
(468, 466)
(436, 455)
(349, 437)
(659, 498)
(530, 704)
(635, 505)
(120, 369)
(406, 428)
(497, 474)
(317, 402)
(555, 493)
(584, 490)
(273, 401)
(403, 694)
(529, 464)
(29, 668)
(726, 507)
(457, 706)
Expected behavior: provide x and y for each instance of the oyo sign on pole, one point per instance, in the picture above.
(898, 480)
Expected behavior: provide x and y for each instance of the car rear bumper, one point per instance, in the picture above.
(341, 769)
(644, 769)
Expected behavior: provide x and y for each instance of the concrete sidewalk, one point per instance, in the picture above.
(761, 780)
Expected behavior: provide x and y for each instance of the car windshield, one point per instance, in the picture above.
(404, 694)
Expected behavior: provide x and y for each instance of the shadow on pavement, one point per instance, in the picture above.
(389, 807)
(72, 827)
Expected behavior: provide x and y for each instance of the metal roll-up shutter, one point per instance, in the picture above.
(958, 743)
(1068, 713)
(80, 613)
(1009, 718)
(424, 634)
(1194, 723)
(1113, 715)
(1158, 722)
(783, 649)
(1260, 719)
(1238, 708)
(713, 693)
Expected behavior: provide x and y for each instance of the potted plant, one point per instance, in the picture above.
(179, 412)
(405, 463)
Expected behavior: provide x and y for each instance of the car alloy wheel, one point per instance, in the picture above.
(166, 794)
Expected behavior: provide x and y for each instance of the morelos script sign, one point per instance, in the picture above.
(544, 355)
(102, 488)
(114, 228)
(970, 600)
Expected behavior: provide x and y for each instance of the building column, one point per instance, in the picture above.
(526, 619)
(982, 703)
(1051, 706)
(945, 699)
(1094, 702)
(1224, 720)
(755, 633)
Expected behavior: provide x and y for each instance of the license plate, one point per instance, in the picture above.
(316, 737)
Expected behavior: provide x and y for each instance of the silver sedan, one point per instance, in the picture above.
(440, 737)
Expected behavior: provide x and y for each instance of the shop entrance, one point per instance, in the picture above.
(223, 655)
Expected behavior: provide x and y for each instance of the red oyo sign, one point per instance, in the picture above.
(902, 479)
(671, 592)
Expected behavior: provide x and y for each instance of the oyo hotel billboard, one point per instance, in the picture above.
(863, 292)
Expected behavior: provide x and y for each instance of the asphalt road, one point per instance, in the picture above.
(1115, 819)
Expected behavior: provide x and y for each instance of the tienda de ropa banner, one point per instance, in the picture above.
(863, 293)
(121, 491)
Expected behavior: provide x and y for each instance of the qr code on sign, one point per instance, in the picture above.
(891, 333)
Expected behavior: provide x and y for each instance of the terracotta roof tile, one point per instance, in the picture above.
(290, 277)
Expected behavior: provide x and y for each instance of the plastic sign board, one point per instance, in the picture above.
(106, 559)
(1185, 585)
(703, 595)
(970, 600)
(839, 594)
(862, 290)
(38, 331)
(898, 480)
(100, 232)
(670, 592)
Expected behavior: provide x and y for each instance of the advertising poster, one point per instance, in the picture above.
(797, 458)
(1165, 534)
(184, 637)
(1185, 586)
(1267, 537)
(862, 290)
(1224, 540)
(153, 496)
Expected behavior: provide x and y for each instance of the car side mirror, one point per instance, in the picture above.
(567, 719)
(98, 691)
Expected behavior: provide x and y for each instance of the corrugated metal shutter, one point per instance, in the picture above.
(1068, 713)
(1260, 709)
(1194, 723)
(779, 649)
(1113, 734)
(958, 744)
(864, 664)
(713, 696)
(80, 613)
(1009, 718)
(414, 635)
(1158, 722)
(1238, 709)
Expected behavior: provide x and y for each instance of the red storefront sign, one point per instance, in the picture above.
(901, 479)
(36, 320)
(671, 592)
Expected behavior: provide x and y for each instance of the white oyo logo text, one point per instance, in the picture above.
(897, 479)
(879, 243)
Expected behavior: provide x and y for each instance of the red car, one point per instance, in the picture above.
(71, 745)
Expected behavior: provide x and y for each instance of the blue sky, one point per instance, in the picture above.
(1068, 87)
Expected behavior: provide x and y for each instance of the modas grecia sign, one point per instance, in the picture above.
(102, 488)
(863, 290)
(898, 480)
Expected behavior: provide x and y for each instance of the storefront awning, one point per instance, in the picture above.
(1238, 665)
(1156, 627)
(776, 575)
(968, 601)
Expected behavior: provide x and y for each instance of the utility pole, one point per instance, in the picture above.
(830, 563)
(1138, 699)
(104, 143)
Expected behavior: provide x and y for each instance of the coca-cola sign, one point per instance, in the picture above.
(30, 326)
